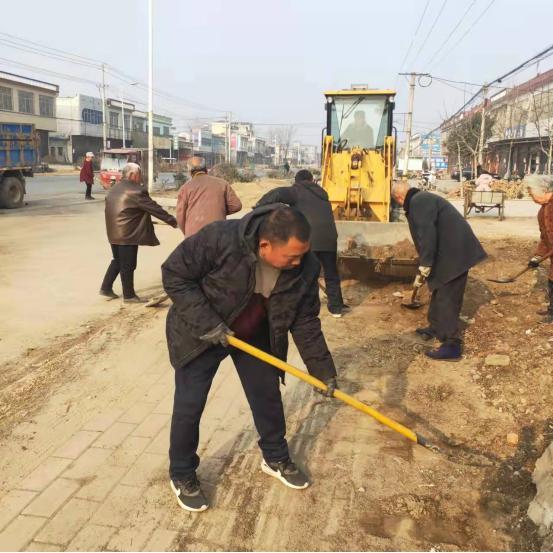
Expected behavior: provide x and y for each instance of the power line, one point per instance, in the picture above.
(34, 50)
(451, 33)
(49, 72)
(444, 3)
(470, 28)
(547, 52)
(414, 36)
(61, 55)
(86, 59)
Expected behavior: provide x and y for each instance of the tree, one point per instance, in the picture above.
(509, 119)
(464, 137)
(542, 111)
(284, 136)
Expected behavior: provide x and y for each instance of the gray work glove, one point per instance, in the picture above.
(422, 275)
(534, 262)
(332, 385)
(218, 336)
(425, 271)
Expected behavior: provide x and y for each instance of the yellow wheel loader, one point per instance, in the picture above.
(358, 159)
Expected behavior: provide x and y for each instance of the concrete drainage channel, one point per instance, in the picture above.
(540, 510)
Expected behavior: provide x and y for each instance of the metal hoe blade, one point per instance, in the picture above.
(504, 280)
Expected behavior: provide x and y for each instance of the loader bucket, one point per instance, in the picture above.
(376, 251)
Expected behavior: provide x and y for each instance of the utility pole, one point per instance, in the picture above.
(483, 126)
(103, 91)
(123, 116)
(411, 101)
(151, 96)
(229, 137)
(226, 139)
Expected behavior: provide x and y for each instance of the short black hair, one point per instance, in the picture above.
(284, 223)
(303, 175)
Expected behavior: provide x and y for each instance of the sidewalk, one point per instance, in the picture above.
(106, 485)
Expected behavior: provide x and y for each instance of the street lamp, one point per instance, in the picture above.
(123, 111)
(150, 95)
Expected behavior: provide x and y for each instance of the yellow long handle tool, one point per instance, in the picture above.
(338, 394)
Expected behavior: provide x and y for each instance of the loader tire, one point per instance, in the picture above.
(11, 193)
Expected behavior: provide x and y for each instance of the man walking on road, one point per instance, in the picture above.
(87, 175)
(447, 249)
(312, 200)
(204, 199)
(253, 277)
(129, 225)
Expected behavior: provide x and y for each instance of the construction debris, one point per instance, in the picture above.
(404, 250)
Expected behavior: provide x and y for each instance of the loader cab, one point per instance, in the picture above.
(359, 118)
(358, 153)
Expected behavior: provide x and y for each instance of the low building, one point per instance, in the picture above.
(26, 100)
(522, 138)
(80, 124)
(162, 127)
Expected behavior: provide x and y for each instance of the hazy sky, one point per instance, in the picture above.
(269, 61)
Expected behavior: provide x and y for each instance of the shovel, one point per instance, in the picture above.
(504, 280)
(338, 394)
(415, 303)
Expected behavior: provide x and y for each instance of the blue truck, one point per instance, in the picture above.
(19, 156)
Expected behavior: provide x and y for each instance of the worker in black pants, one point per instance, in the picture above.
(129, 224)
(261, 386)
(312, 200)
(254, 278)
(124, 263)
(447, 249)
(445, 306)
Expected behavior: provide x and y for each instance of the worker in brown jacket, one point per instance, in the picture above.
(541, 192)
(204, 199)
(129, 224)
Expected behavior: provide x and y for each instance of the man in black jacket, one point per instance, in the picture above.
(254, 277)
(447, 249)
(312, 200)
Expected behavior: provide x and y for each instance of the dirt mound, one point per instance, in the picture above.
(400, 250)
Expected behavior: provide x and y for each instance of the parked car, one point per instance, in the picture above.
(468, 174)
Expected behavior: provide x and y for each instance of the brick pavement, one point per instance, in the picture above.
(105, 488)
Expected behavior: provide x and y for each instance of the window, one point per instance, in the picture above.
(52, 151)
(127, 122)
(46, 105)
(92, 116)
(26, 101)
(157, 131)
(113, 119)
(60, 151)
(361, 121)
(6, 102)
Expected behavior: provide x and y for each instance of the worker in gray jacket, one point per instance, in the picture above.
(447, 249)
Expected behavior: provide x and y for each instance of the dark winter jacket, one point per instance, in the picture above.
(128, 215)
(444, 240)
(210, 278)
(312, 201)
